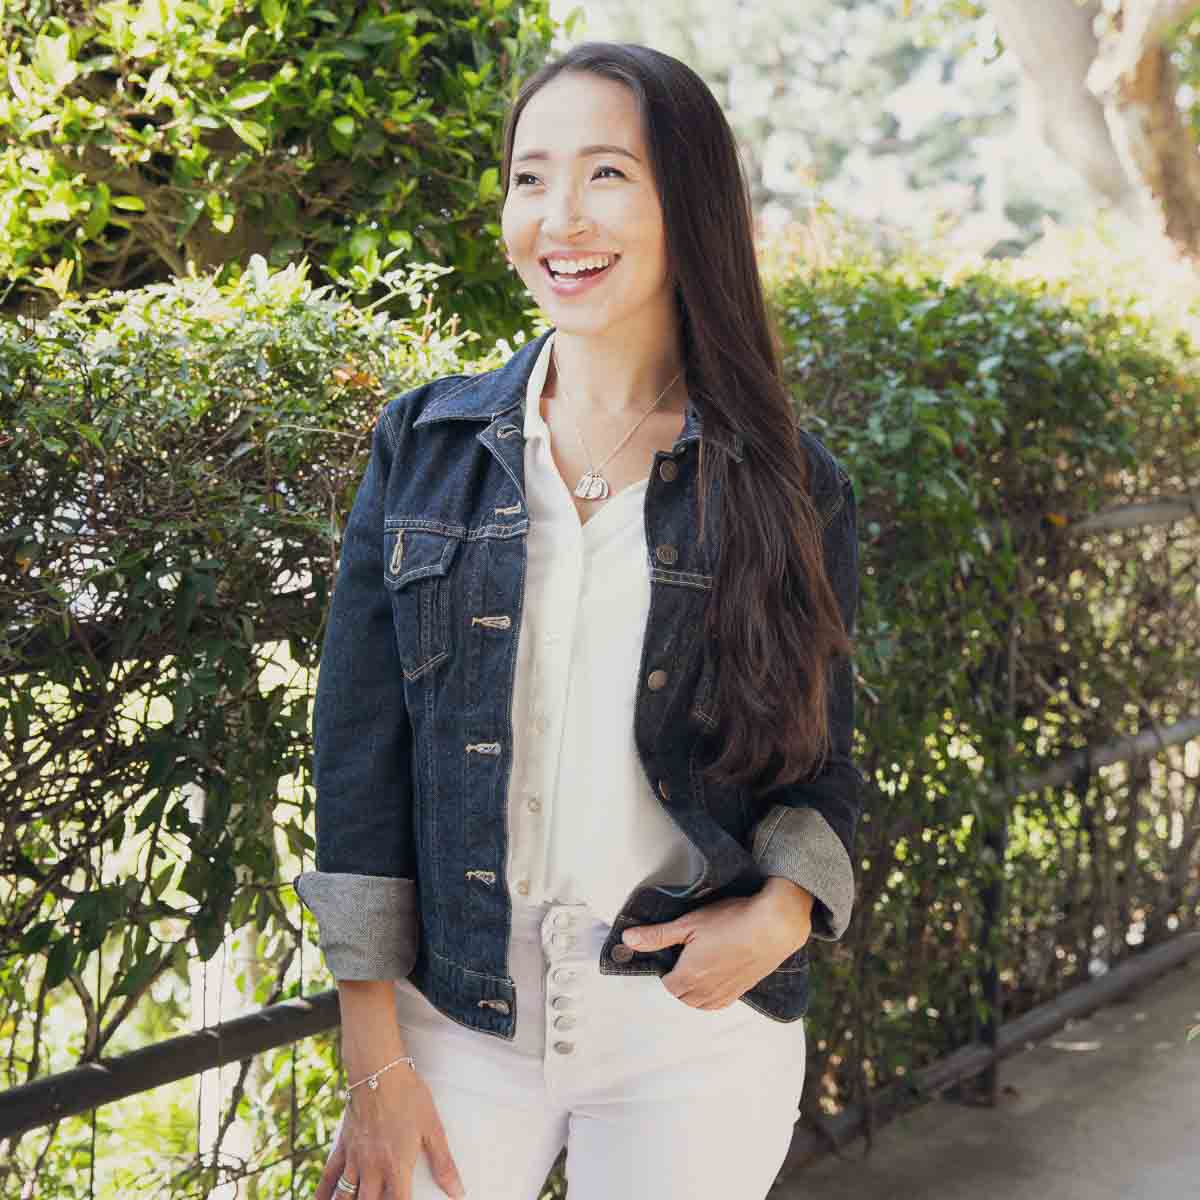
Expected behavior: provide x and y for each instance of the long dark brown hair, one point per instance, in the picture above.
(772, 619)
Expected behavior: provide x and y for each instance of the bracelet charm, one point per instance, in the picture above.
(372, 1080)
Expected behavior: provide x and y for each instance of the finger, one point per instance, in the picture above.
(329, 1177)
(441, 1163)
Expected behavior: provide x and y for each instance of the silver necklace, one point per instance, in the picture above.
(592, 485)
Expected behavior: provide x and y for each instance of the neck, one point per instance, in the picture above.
(612, 376)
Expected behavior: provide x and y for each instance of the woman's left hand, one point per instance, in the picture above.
(730, 945)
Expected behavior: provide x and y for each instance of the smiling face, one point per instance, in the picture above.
(573, 195)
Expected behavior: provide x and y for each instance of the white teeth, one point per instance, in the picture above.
(578, 264)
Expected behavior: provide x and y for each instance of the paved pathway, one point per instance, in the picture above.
(1106, 1109)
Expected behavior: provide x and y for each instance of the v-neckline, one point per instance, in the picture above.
(637, 484)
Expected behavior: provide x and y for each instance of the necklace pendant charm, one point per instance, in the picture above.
(592, 486)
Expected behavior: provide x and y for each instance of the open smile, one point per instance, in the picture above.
(571, 284)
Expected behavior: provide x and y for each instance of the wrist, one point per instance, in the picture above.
(790, 902)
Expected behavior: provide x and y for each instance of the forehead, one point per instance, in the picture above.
(576, 109)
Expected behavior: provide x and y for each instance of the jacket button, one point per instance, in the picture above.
(656, 680)
(621, 953)
(523, 887)
(666, 554)
(662, 789)
(667, 471)
(564, 1047)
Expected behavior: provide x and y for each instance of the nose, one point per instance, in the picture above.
(564, 214)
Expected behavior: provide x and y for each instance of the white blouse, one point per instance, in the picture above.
(584, 822)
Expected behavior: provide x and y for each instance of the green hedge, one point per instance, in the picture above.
(139, 137)
(177, 463)
(982, 416)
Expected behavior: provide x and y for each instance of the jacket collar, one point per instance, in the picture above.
(494, 393)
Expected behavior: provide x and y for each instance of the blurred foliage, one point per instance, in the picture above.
(139, 136)
(902, 122)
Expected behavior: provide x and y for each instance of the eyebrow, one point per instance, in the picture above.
(585, 152)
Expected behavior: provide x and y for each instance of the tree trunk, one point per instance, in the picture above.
(1134, 78)
(1109, 107)
(1056, 47)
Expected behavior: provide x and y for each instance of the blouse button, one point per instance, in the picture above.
(667, 471)
(666, 554)
(656, 680)
(523, 887)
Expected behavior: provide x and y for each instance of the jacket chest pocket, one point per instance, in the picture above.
(417, 575)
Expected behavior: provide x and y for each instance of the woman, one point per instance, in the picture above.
(587, 677)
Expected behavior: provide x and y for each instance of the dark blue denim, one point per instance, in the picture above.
(413, 709)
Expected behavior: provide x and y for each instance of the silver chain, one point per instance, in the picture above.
(594, 471)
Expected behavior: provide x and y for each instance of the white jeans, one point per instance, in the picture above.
(654, 1099)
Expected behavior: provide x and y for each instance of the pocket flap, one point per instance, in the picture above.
(410, 554)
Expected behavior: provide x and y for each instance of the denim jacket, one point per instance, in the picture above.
(412, 733)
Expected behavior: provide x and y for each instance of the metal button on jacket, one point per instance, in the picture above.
(656, 680)
(667, 471)
(621, 953)
(666, 554)
(564, 1047)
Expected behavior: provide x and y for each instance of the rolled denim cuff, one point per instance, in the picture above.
(367, 923)
(800, 845)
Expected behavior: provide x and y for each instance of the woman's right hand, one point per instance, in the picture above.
(383, 1133)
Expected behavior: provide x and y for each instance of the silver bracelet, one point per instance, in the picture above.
(372, 1080)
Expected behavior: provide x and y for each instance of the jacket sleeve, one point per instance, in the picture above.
(807, 835)
(363, 891)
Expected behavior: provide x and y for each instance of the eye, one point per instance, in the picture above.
(620, 174)
(519, 176)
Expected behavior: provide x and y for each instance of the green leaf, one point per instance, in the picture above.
(60, 962)
(129, 203)
(345, 125)
(253, 134)
(489, 184)
(138, 976)
(247, 95)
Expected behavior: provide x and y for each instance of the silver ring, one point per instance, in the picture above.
(345, 1186)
